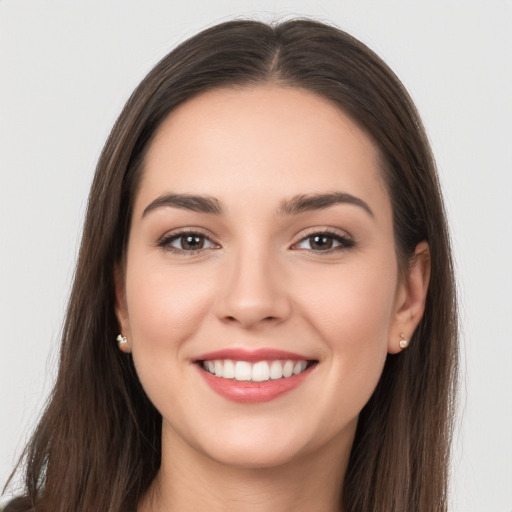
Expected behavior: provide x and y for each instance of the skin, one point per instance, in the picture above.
(258, 282)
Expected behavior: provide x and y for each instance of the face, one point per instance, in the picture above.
(260, 293)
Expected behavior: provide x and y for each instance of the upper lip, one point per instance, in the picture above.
(262, 354)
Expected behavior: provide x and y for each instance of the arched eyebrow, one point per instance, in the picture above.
(308, 202)
(297, 204)
(195, 203)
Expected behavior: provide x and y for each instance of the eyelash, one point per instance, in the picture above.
(165, 242)
(344, 242)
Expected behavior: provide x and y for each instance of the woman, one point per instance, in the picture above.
(266, 240)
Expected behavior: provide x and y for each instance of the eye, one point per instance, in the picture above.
(186, 242)
(324, 242)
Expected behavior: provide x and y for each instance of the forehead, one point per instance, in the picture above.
(270, 140)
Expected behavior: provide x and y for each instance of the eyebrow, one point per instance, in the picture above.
(308, 202)
(297, 204)
(195, 203)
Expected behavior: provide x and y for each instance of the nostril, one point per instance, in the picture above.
(234, 319)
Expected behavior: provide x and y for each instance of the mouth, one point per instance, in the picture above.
(260, 371)
(257, 376)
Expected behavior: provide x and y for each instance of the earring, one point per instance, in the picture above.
(121, 341)
(404, 342)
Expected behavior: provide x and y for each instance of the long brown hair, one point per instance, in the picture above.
(97, 445)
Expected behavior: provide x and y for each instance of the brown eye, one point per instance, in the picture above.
(321, 242)
(191, 242)
(324, 242)
(186, 242)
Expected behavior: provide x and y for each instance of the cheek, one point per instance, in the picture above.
(165, 304)
(351, 305)
(165, 307)
(352, 313)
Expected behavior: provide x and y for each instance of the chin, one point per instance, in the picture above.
(245, 455)
(270, 444)
(251, 443)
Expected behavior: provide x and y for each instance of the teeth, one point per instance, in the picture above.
(276, 370)
(242, 370)
(260, 371)
(256, 372)
(288, 369)
(229, 370)
(299, 367)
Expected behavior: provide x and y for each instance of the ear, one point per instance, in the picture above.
(121, 308)
(410, 298)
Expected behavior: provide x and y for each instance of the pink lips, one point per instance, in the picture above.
(262, 354)
(249, 391)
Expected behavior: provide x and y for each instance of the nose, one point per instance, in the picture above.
(254, 291)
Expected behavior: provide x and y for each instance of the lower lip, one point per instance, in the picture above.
(253, 392)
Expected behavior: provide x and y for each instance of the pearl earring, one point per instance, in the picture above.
(403, 341)
(121, 341)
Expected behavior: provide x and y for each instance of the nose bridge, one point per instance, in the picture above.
(254, 290)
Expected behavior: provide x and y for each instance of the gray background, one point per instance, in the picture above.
(66, 68)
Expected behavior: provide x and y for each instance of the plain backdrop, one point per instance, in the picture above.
(66, 69)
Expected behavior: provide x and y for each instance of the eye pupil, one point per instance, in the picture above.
(321, 242)
(191, 242)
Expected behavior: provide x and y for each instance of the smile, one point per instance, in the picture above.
(256, 372)
(253, 376)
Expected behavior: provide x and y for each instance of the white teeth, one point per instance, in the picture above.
(260, 371)
(243, 370)
(276, 370)
(299, 367)
(229, 370)
(288, 369)
(256, 372)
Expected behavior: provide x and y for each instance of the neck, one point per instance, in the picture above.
(189, 480)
